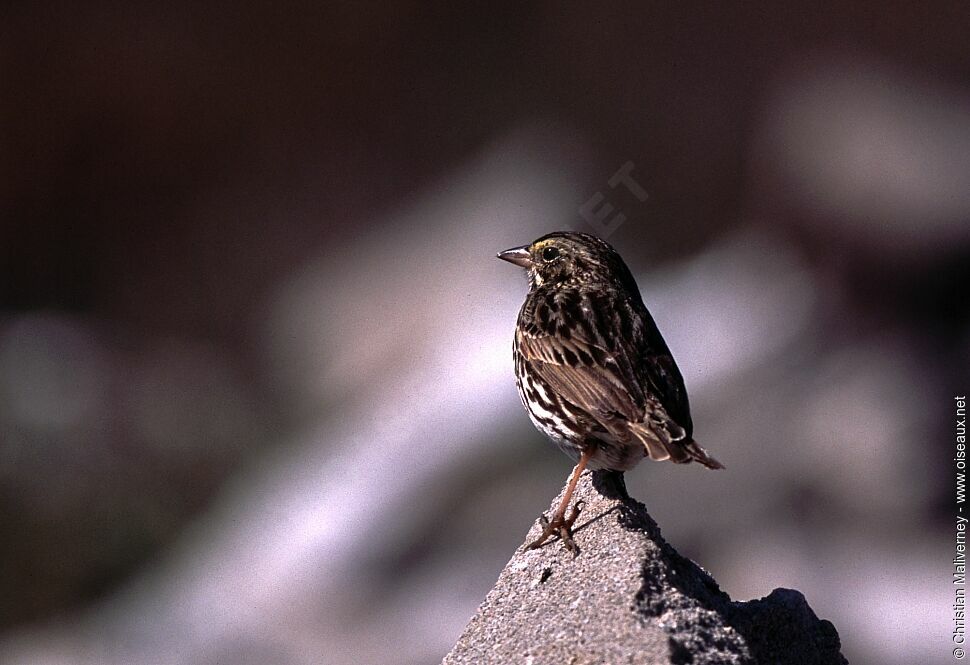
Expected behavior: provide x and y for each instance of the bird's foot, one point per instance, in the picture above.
(561, 526)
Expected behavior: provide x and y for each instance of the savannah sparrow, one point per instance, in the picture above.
(592, 369)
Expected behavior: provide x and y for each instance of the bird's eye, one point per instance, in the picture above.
(550, 253)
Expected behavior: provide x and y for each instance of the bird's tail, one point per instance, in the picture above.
(679, 450)
(700, 455)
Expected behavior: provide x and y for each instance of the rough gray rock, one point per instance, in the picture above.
(629, 597)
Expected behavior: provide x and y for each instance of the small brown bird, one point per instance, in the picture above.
(592, 369)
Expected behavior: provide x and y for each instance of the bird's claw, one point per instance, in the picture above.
(561, 526)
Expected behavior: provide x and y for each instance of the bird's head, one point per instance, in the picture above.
(569, 259)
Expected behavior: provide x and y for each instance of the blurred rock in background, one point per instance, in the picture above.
(256, 400)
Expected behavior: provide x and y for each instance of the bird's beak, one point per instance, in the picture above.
(518, 255)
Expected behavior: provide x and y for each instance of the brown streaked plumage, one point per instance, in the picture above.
(592, 369)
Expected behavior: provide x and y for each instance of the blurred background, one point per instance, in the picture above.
(256, 394)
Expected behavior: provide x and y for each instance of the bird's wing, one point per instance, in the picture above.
(582, 374)
(604, 353)
(662, 375)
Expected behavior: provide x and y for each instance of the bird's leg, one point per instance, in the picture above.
(560, 524)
